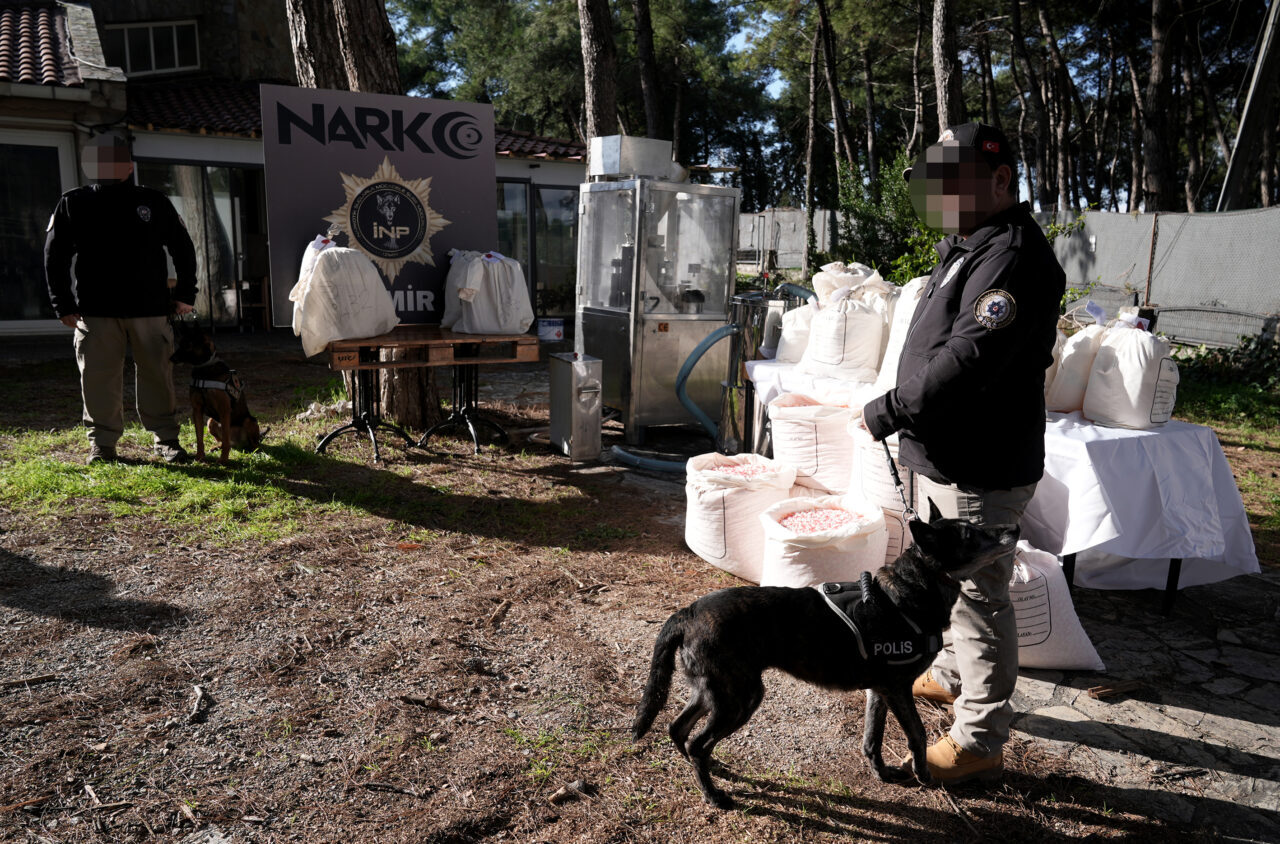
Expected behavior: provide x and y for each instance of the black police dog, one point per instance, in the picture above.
(728, 638)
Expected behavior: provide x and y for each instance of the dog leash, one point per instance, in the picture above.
(908, 512)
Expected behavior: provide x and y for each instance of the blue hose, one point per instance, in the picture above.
(647, 462)
(682, 394)
(796, 290)
(692, 361)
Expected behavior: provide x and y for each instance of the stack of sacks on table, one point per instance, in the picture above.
(1118, 376)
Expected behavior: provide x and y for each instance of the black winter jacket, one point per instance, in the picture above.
(117, 234)
(969, 405)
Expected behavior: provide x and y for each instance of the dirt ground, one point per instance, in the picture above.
(457, 659)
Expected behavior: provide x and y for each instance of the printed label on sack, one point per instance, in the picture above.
(896, 528)
(1166, 391)
(1031, 608)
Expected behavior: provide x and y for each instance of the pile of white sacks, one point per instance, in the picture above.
(741, 509)
(1117, 375)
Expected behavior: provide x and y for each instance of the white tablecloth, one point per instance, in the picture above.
(1125, 502)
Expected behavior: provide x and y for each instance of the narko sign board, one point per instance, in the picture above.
(401, 179)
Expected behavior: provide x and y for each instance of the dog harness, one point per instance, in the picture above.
(884, 633)
(231, 386)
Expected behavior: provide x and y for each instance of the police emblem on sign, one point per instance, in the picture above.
(995, 309)
(389, 218)
(144, 213)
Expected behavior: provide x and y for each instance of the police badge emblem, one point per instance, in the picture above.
(995, 309)
(144, 213)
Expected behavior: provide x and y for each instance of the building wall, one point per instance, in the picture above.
(265, 49)
(238, 39)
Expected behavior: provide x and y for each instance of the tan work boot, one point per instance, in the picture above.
(930, 689)
(949, 763)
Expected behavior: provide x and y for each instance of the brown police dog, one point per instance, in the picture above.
(888, 636)
(215, 393)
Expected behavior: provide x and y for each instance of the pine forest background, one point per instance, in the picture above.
(1114, 105)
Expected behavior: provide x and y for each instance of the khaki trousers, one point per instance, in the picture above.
(979, 659)
(101, 343)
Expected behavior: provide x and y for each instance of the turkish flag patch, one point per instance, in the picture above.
(990, 146)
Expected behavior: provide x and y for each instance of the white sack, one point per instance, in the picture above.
(880, 296)
(844, 342)
(1134, 380)
(722, 517)
(814, 438)
(830, 278)
(841, 554)
(493, 297)
(1049, 631)
(303, 284)
(1067, 393)
(1052, 371)
(796, 324)
(343, 298)
(459, 261)
(872, 480)
(904, 308)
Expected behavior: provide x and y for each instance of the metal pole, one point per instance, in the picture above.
(1257, 111)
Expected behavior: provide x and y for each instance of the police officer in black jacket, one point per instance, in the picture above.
(117, 234)
(969, 412)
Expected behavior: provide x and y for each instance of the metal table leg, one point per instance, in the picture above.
(366, 416)
(464, 414)
(1171, 585)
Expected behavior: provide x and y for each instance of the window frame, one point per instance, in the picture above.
(151, 26)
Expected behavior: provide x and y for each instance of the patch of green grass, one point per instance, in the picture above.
(1266, 490)
(261, 496)
(1228, 406)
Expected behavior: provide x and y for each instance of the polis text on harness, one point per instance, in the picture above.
(884, 633)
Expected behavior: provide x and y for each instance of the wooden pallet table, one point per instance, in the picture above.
(420, 346)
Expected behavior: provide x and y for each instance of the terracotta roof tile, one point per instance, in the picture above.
(510, 142)
(210, 105)
(34, 48)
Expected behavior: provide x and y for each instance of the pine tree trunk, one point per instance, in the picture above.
(348, 45)
(599, 63)
(810, 137)
(844, 138)
(1070, 103)
(873, 155)
(1135, 138)
(917, 89)
(1039, 110)
(648, 67)
(1135, 158)
(946, 66)
(1191, 182)
(1267, 172)
(990, 109)
(1157, 181)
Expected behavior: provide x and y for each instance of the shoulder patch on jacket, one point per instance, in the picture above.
(995, 309)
